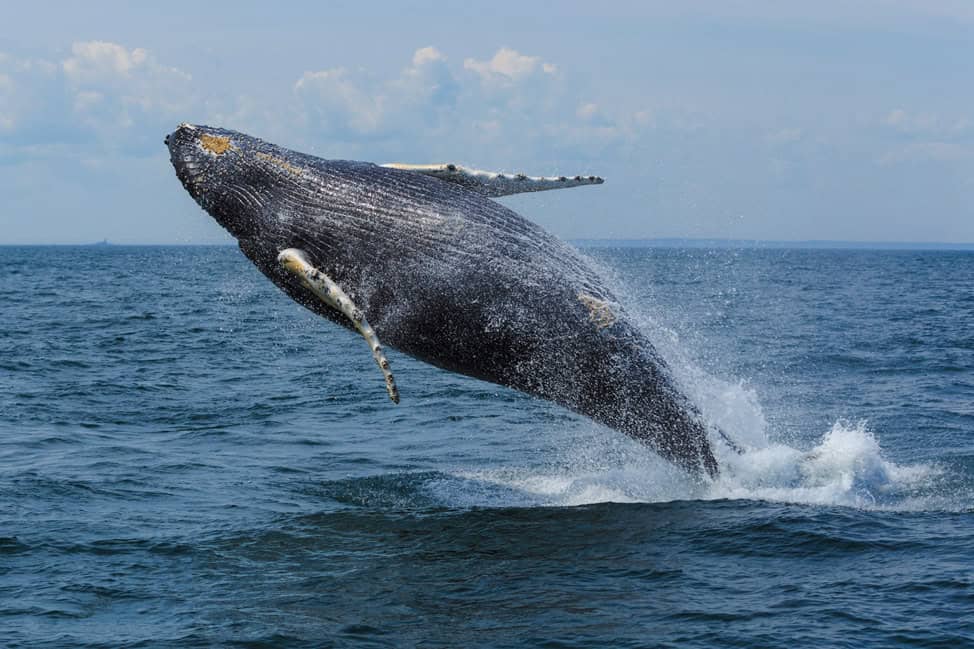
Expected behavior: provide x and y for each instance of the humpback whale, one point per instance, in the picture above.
(420, 258)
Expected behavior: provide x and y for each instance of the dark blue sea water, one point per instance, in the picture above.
(188, 458)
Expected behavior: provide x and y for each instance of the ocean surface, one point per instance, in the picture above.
(190, 459)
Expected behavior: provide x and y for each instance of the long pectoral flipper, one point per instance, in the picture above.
(296, 262)
(495, 184)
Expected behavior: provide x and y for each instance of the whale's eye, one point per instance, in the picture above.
(215, 144)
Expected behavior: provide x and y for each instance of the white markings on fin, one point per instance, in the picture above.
(494, 184)
(296, 263)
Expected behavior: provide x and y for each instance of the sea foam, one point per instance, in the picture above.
(845, 468)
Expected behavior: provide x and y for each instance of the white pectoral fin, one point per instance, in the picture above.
(494, 184)
(296, 263)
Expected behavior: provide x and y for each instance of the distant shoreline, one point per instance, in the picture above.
(773, 244)
(721, 244)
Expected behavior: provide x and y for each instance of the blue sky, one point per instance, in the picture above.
(738, 119)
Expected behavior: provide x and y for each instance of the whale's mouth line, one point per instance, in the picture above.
(186, 147)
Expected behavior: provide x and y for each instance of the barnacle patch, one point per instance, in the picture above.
(283, 164)
(215, 144)
(599, 312)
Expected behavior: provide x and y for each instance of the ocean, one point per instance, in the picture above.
(190, 459)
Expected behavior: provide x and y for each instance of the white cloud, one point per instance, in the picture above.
(592, 115)
(595, 124)
(28, 90)
(115, 87)
(509, 66)
(336, 103)
(430, 98)
(122, 98)
(425, 55)
(95, 61)
(425, 88)
(109, 96)
(342, 103)
(509, 107)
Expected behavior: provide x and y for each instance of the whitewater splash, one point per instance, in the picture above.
(846, 467)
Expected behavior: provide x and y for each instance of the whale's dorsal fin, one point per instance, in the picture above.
(296, 262)
(495, 184)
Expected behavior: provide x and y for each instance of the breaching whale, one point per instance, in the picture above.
(420, 258)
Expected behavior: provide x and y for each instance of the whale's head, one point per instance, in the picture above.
(216, 167)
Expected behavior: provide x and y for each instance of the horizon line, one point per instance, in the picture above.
(608, 242)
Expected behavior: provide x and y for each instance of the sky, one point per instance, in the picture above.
(741, 119)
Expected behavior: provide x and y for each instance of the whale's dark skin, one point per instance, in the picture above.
(448, 276)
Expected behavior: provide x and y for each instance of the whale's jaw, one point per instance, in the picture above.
(213, 165)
